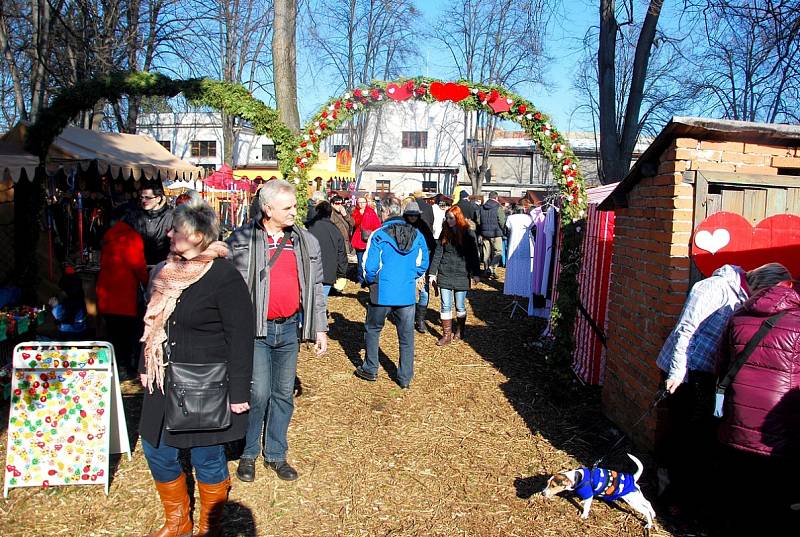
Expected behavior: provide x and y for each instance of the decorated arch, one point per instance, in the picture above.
(297, 153)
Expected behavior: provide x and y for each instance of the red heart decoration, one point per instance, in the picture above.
(398, 93)
(500, 104)
(728, 238)
(449, 92)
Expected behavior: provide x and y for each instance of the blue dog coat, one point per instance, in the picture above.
(606, 484)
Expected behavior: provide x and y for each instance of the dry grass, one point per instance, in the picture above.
(460, 453)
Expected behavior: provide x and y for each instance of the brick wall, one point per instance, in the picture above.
(650, 269)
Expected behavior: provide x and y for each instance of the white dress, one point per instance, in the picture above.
(519, 261)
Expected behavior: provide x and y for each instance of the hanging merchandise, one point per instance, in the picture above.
(519, 264)
(543, 259)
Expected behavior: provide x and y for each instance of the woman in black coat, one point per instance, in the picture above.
(199, 311)
(331, 244)
(454, 267)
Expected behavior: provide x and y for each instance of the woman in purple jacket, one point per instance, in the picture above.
(760, 428)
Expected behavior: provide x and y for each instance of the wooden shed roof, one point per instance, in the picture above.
(701, 129)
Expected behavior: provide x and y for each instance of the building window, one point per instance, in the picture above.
(430, 186)
(204, 149)
(339, 147)
(415, 139)
(268, 152)
(383, 186)
(166, 144)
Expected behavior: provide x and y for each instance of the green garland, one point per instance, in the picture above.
(296, 154)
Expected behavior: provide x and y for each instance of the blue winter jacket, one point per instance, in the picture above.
(395, 257)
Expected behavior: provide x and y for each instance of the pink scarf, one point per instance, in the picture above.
(166, 285)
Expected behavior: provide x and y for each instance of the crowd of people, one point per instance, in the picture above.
(174, 297)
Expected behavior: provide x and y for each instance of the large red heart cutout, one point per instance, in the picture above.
(728, 238)
(499, 103)
(449, 92)
(399, 93)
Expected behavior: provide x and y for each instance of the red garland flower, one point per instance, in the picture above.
(308, 154)
(410, 86)
(348, 105)
(323, 126)
(303, 143)
(481, 96)
(420, 91)
(324, 114)
(297, 160)
(333, 115)
(522, 109)
(337, 105)
(554, 136)
(537, 116)
(357, 92)
(302, 165)
(375, 93)
(313, 139)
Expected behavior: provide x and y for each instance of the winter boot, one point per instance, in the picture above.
(175, 499)
(419, 318)
(447, 336)
(212, 502)
(458, 328)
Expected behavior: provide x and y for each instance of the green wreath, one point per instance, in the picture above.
(296, 154)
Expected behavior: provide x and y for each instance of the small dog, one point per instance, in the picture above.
(605, 484)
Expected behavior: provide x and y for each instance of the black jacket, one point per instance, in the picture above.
(212, 322)
(492, 221)
(332, 246)
(470, 210)
(426, 210)
(153, 227)
(453, 266)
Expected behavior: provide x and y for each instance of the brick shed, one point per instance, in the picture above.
(693, 168)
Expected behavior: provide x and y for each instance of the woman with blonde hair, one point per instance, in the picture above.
(454, 267)
(199, 316)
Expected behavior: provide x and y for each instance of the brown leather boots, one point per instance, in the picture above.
(212, 502)
(175, 499)
(178, 521)
(447, 336)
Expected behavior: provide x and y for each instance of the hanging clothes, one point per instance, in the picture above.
(539, 305)
(519, 263)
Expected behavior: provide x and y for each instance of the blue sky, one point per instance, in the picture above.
(564, 45)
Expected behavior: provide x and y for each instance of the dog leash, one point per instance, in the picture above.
(660, 396)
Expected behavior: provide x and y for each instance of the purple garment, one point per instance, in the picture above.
(539, 247)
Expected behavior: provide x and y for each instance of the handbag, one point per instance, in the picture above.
(197, 397)
(365, 234)
(741, 358)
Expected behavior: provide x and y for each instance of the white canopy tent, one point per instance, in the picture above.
(119, 155)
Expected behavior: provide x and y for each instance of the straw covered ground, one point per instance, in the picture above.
(463, 452)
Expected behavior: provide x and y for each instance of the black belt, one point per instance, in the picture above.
(281, 320)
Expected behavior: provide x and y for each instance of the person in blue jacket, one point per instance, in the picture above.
(395, 260)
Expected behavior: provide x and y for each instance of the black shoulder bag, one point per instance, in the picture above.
(741, 358)
(197, 396)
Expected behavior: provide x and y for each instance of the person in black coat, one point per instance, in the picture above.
(199, 311)
(152, 221)
(331, 243)
(414, 215)
(454, 267)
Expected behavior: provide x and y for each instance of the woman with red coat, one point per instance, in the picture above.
(366, 221)
(122, 271)
(760, 428)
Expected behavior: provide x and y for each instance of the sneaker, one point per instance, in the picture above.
(365, 375)
(282, 469)
(247, 470)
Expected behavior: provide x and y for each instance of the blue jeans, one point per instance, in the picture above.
(404, 318)
(424, 293)
(209, 462)
(360, 258)
(447, 303)
(272, 391)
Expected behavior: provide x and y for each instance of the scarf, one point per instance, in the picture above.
(166, 286)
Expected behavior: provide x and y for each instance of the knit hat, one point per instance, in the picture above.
(463, 194)
(412, 209)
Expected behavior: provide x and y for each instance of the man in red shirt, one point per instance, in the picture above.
(282, 266)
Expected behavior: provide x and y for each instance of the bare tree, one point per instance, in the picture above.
(498, 42)
(357, 41)
(748, 67)
(284, 54)
(619, 132)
